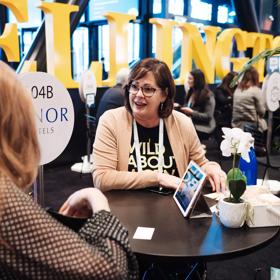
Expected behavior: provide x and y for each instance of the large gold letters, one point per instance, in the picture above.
(194, 48)
(224, 47)
(57, 26)
(118, 24)
(212, 56)
(164, 28)
(9, 40)
(260, 42)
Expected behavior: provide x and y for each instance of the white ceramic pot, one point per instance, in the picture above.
(232, 215)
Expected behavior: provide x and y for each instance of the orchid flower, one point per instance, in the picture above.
(236, 141)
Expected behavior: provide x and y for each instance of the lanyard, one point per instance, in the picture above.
(137, 146)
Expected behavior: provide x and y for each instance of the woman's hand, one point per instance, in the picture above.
(168, 181)
(84, 203)
(177, 106)
(216, 176)
(186, 110)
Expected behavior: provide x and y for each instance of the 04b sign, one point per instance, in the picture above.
(54, 113)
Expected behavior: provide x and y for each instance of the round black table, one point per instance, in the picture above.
(178, 239)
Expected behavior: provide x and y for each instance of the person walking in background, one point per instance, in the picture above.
(113, 97)
(200, 104)
(104, 72)
(248, 103)
(224, 98)
(33, 245)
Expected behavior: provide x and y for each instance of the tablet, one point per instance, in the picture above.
(189, 188)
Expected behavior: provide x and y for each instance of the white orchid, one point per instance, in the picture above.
(236, 141)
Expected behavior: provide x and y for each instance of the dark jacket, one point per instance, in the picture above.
(223, 110)
(111, 99)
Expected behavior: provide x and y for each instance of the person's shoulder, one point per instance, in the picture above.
(253, 91)
(115, 114)
(180, 117)
(211, 97)
(217, 89)
(113, 90)
(256, 89)
(238, 91)
(6, 184)
(10, 193)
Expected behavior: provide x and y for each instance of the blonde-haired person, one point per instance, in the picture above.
(32, 244)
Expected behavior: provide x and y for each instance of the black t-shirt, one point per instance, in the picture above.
(149, 149)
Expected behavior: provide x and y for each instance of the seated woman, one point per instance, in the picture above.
(32, 244)
(224, 96)
(200, 104)
(248, 103)
(147, 143)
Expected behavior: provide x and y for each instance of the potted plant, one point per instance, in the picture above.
(232, 209)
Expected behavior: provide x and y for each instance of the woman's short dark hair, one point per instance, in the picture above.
(163, 79)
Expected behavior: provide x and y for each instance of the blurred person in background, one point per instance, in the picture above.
(224, 98)
(199, 104)
(113, 97)
(248, 103)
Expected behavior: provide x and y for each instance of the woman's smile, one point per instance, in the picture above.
(139, 104)
(145, 107)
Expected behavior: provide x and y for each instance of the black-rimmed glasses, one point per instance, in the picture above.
(147, 91)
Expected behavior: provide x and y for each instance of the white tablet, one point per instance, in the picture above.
(188, 190)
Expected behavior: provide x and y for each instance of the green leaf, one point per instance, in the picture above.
(237, 188)
(235, 174)
(262, 55)
(237, 183)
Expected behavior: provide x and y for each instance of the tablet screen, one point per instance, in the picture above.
(189, 188)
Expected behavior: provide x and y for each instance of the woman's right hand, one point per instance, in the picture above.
(168, 181)
(186, 110)
(84, 203)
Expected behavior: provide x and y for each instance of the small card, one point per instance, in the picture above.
(144, 233)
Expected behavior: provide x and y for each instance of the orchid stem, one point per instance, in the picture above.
(233, 165)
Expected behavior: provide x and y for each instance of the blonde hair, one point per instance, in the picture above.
(19, 147)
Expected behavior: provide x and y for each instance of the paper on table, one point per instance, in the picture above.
(272, 185)
(145, 233)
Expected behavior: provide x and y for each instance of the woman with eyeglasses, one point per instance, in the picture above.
(147, 143)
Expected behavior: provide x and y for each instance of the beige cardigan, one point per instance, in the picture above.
(112, 145)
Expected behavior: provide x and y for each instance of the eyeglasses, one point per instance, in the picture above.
(146, 90)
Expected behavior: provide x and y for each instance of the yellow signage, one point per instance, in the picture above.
(212, 55)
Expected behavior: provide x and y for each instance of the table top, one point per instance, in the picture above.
(176, 238)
